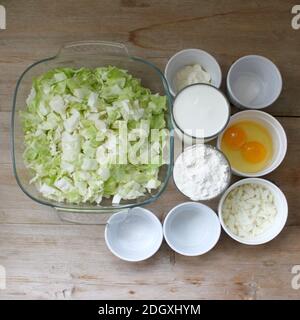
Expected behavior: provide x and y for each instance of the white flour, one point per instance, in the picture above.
(201, 172)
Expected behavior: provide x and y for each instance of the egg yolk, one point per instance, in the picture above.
(254, 152)
(234, 137)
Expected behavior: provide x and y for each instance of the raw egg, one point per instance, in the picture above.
(254, 152)
(234, 137)
(248, 146)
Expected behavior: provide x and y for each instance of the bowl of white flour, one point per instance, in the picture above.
(201, 172)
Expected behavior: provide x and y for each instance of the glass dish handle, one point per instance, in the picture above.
(105, 48)
(85, 216)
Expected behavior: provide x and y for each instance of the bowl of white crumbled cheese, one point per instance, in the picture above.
(191, 66)
(201, 172)
(253, 211)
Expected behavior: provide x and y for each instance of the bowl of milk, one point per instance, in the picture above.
(200, 113)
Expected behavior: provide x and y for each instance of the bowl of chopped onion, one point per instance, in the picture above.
(253, 211)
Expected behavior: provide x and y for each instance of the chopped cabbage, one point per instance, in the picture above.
(74, 123)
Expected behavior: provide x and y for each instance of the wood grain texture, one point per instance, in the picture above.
(47, 258)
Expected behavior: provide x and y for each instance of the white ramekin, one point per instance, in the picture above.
(189, 57)
(280, 220)
(253, 82)
(191, 228)
(133, 235)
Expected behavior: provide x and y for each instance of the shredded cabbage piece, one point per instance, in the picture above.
(72, 124)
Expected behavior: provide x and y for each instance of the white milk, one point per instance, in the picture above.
(201, 111)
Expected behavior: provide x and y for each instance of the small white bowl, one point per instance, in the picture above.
(177, 169)
(280, 220)
(276, 131)
(189, 57)
(133, 235)
(191, 228)
(253, 82)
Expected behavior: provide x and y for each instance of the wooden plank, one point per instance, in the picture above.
(47, 258)
(76, 264)
(154, 31)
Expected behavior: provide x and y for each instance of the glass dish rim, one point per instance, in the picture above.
(94, 208)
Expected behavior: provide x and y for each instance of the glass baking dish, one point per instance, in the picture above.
(89, 54)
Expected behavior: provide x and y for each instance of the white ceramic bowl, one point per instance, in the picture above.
(276, 131)
(177, 169)
(133, 235)
(191, 228)
(280, 220)
(189, 57)
(253, 82)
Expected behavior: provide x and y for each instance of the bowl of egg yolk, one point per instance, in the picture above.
(254, 143)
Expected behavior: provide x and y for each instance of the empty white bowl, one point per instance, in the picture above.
(276, 131)
(191, 228)
(280, 220)
(189, 57)
(253, 82)
(133, 235)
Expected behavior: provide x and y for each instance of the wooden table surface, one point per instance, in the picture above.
(46, 258)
